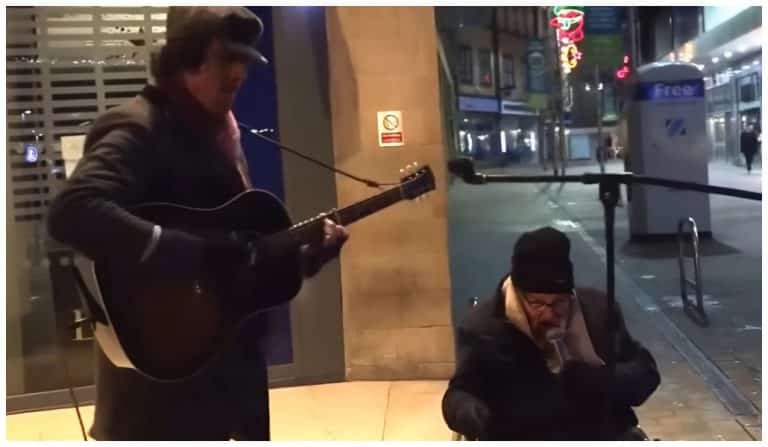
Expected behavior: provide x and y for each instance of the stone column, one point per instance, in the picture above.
(394, 270)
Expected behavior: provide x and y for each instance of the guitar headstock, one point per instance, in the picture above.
(417, 181)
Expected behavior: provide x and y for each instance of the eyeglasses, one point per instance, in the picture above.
(561, 305)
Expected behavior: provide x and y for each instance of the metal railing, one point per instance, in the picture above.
(695, 312)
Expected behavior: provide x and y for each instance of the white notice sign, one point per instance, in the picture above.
(71, 151)
(391, 129)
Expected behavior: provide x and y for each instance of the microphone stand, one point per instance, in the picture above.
(608, 193)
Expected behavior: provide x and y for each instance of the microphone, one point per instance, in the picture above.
(556, 336)
(464, 168)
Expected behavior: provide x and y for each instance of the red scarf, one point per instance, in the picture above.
(222, 129)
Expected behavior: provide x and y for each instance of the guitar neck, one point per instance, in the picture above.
(365, 208)
(307, 231)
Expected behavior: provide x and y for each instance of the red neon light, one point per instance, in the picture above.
(623, 72)
(570, 25)
(572, 36)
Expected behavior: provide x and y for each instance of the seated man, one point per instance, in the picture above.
(541, 360)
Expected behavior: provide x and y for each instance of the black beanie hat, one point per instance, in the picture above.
(541, 262)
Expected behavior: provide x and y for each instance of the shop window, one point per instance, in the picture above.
(719, 130)
(465, 66)
(748, 88)
(485, 66)
(511, 20)
(748, 93)
(580, 147)
(530, 27)
(508, 75)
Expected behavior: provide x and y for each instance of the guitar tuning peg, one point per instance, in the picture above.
(415, 164)
(402, 171)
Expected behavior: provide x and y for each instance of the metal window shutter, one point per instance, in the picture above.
(64, 66)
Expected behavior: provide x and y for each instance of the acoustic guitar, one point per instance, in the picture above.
(169, 329)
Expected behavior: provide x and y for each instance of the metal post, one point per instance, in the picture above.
(609, 196)
(540, 139)
(672, 35)
(599, 96)
(497, 70)
(633, 37)
(556, 103)
(697, 313)
(561, 139)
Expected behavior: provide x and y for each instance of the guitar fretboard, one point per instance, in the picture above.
(304, 232)
(365, 208)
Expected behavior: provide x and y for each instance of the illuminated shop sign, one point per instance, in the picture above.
(665, 91)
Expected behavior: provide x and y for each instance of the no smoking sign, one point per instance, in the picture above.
(390, 125)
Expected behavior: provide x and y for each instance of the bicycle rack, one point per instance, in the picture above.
(695, 312)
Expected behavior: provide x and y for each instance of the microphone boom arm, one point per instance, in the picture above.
(465, 169)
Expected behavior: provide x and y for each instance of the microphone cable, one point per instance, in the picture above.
(367, 182)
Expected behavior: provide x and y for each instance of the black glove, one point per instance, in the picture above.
(478, 418)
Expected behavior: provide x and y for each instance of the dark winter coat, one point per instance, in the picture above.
(503, 390)
(143, 151)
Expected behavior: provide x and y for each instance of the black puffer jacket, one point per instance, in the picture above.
(503, 390)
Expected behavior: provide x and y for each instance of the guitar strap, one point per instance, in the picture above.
(91, 307)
